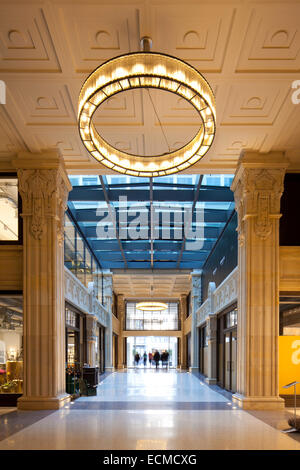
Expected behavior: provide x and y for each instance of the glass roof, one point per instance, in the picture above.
(170, 222)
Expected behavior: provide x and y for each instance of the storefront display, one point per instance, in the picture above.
(289, 348)
(75, 348)
(11, 346)
(227, 348)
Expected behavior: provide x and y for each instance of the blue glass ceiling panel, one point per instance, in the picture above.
(168, 223)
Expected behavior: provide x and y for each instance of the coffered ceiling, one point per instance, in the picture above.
(248, 51)
(157, 285)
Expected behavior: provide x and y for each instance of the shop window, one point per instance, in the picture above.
(231, 319)
(11, 345)
(290, 316)
(9, 209)
(72, 318)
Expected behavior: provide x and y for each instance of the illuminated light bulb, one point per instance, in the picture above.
(104, 152)
(119, 73)
(159, 70)
(134, 82)
(139, 166)
(90, 146)
(152, 167)
(84, 120)
(180, 76)
(138, 69)
(185, 92)
(203, 150)
(183, 166)
(98, 98)
(177, 161)
(124, 83)
(85, 135)
(112, 89)
(208, 139)
(114, 159)
(97, 155)
(108, 163)
(119, 169)
(101, 81)
(132, 173)
(196, 86)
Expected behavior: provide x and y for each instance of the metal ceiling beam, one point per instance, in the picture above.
(113, 220)
(142, 245)
(196, 196)
(207, 194)
(209, 232)
(210, 215)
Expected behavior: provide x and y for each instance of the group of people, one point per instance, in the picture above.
(153, 358)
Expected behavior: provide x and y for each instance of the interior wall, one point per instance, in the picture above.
(223, 258)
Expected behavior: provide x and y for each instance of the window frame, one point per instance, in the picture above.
(19, 241)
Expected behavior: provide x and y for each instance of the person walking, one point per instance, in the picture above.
(156, 358)
(137, 359)
(150, 355)
(167, 359)
(145, 359)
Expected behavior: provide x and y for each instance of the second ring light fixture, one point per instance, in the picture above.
(147, 69)
(152, 306)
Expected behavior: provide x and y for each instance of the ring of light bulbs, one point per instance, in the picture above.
(152, 306)
(146, 70)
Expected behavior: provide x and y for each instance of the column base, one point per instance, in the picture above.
(193, 369)
(43, 403)
(210, 381)
(110, 369)
(258, 403)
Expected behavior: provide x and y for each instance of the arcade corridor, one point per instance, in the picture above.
(147, 410)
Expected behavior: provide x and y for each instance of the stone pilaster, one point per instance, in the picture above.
(196, 299)
(258, 186)
(91, 326)
(44, 187)
(121, 318)
(107, 302)
(212, 338)
(183, 316)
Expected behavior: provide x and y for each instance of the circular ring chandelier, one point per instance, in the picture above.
(146, 70)
(152, 306)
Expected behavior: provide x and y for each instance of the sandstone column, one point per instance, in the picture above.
(258, 186)
(212, 338)
(107, 302)
(183, 316)
(44, 187)
(196, 297)
(91, 325)
(121, 318)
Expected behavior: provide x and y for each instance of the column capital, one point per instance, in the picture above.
(258, 186)
(44, 187)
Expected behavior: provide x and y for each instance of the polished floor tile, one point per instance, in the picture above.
(5, 409)
(189, 415)
(68, 429)
(140, 385)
